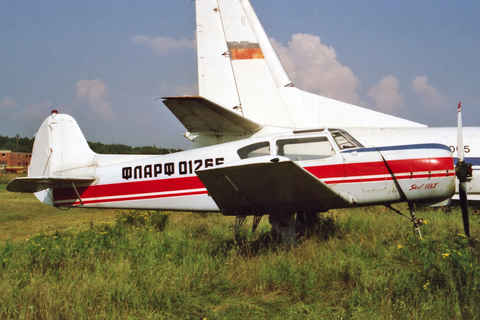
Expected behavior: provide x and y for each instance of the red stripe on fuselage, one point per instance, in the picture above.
(379, 168)
(130, 188)
(121, 199)
(388, 178)
(126, 191)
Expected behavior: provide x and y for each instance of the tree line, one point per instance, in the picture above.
(25, 144)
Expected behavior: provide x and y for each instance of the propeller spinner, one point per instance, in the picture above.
(463, 171)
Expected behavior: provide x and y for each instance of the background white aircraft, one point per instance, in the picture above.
(245, 91)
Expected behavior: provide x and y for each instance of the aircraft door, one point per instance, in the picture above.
(315, 154)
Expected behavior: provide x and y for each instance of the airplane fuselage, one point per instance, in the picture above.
(361, 176)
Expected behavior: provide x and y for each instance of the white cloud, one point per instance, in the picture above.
(313, 67)
(386, 94)
(430, 97)
(91, 89)
(162, 45)
(7, 103)
(94, 91)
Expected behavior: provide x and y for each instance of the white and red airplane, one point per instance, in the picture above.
(266, 146)
(277, 174)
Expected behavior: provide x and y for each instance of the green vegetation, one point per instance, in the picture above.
(26, 145)
(6, 178)
(363, 264)
(22, 215)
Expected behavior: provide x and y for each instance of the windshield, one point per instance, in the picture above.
(344, 139)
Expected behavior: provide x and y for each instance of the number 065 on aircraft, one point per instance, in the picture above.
(306, 171)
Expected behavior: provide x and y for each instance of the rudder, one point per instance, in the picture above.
(59, 146)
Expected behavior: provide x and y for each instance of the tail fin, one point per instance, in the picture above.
(59, 148)
(239, 68)
(237, 65)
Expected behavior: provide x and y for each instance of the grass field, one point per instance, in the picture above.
(363, 264)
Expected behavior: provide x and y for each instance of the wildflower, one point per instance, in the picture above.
(445, 255)
(425, 286)
(54, 237)
(168, 256)
(462, 235)
(425, 221)
(399, 246)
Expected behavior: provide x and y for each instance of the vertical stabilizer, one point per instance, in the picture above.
(233, 69)
(215, 77)
(59, 146)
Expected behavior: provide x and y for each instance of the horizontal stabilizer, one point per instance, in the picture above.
(198, 114)
(264, 186)
(35, 184)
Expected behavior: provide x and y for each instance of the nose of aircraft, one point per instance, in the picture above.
(432, 178)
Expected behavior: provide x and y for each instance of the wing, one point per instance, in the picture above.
(198, 114)
(259, 186)
(35, 184)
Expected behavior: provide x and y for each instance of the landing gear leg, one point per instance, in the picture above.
(256, 222)
(417, 222)
(239, 220)
(284, 224)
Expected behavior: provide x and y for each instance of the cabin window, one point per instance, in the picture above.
(345, 140)
(305, 148)
(254, 150)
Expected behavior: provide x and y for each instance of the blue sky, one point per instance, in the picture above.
(413, 59)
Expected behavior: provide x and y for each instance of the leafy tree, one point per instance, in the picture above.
(26, 145)
(10, 143)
